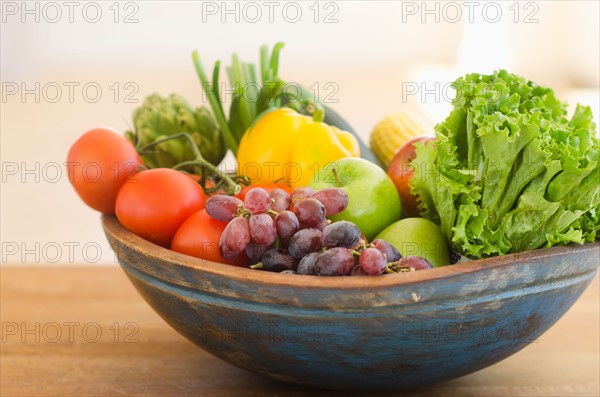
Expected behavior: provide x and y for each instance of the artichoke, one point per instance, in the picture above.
(158, 118)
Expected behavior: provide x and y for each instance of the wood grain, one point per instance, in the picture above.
(146, 357)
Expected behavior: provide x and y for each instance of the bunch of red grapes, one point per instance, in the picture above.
(291, 233)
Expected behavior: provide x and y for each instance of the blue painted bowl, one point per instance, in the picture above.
(388, 332)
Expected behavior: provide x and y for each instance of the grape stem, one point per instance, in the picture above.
(259, 266)
(242, 212)
(232, 187)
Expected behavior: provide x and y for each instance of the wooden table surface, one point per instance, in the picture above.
(79, 331)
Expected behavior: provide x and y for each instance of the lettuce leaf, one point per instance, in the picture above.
(509, 171)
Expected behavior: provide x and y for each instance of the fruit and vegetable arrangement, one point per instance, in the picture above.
(507, 171)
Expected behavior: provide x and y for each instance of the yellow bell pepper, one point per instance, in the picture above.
(285, 146)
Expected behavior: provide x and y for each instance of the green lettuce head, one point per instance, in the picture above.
(509, 171)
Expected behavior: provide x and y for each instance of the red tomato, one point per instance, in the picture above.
(154, 203)
(268, 186)
(98, 163)
(199, 236)
(208, 183)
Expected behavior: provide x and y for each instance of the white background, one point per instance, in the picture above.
(372, 51)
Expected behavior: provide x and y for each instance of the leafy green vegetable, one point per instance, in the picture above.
(508, 171)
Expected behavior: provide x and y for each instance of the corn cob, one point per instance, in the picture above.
(394, 131)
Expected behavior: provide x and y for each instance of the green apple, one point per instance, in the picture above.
(420, 237)
(373, 201)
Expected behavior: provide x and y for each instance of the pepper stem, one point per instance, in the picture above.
(315, 110)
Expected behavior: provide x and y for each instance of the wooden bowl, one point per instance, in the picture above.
(386, 332)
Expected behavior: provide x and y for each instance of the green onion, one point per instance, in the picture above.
(215, 103)
(245, 108)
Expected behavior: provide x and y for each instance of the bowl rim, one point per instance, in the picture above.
(119, 233)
